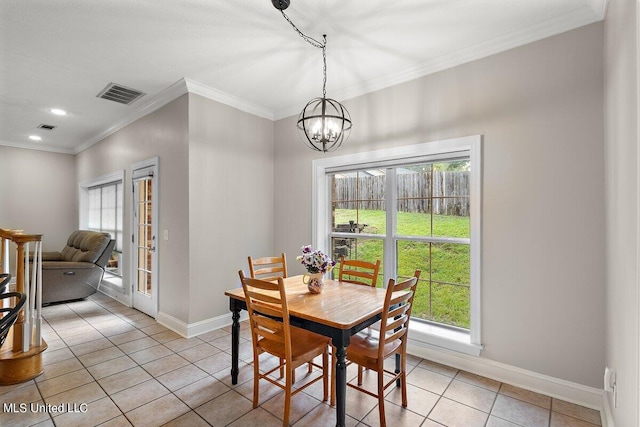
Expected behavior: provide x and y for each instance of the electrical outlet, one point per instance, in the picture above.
(165, 234)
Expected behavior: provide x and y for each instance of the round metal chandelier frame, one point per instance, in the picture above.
(324, 123)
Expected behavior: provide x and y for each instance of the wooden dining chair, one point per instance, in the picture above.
(359, 272)
(268, 268)
(271, 333)
(370, 352)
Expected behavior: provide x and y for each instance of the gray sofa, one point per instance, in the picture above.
(77, 270)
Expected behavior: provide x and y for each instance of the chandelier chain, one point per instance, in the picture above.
(315, 43)
(324, 68)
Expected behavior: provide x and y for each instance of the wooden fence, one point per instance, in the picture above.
(450, 192)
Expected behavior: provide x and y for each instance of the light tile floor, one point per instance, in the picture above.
(110, 365)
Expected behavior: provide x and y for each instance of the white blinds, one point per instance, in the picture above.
(106, 209)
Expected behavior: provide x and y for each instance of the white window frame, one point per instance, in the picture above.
(111, 178)
(426, 333)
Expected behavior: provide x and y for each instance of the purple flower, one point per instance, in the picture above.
(315, 261)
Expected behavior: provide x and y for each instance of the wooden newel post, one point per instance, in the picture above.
(18, 332)
(21, 354)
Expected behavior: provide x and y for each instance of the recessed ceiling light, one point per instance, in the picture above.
(58, 112)
(35, 138)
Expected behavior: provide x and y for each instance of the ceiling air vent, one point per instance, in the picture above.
(119, 93)
(46, 127)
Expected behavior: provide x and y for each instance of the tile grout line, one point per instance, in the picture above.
(152, 376)
(94, 380)
(172, 392)
(80, 311)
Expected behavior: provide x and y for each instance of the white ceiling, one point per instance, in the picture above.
(61, 53)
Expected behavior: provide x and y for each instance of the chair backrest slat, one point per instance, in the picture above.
(398, 308)
(394, 336)
(397, 311)
(400, 297)
(352, 270)
(268, 268)
(263, 299)
(397, 323)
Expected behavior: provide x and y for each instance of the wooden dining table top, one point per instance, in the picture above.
(340, 305)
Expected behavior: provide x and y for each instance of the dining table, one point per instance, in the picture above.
(340, 311)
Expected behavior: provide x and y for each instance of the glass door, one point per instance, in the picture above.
(145, 277)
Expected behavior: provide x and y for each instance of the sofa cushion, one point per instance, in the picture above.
(49, 256)
(66, 265)
(85, 246)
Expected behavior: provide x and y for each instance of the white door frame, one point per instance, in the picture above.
(637, 23)
(151, 165)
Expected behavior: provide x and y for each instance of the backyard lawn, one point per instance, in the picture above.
(443, 290)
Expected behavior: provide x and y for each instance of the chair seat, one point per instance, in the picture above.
(363, 350)
(305, 345)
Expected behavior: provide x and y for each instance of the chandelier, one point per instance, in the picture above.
(324, 124)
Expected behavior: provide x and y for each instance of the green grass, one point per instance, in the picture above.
(443, 291)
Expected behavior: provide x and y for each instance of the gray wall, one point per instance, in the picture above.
(230, 200)
(539, 108)
(163, 133)
(621, 143)
(38, 193)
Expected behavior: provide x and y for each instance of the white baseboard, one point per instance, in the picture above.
(190, 330)
(606, 413)
(554, 387)
(116, 295)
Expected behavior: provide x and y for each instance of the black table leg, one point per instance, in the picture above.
(235, 341)
(341, 345)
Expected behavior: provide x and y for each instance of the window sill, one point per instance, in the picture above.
(422, 333)
(112, 280)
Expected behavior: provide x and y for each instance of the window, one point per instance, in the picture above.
(413, 208)
(358, 218)
(102, 210)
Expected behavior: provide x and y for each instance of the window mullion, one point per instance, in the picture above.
(475, 230)
(435, 239)
(101, 208)
(389, 241)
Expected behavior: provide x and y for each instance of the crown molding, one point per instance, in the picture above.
(39, 147)
(228, 99)
(176, 90)
(154, 103)
(520, 37)
(599, 7)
